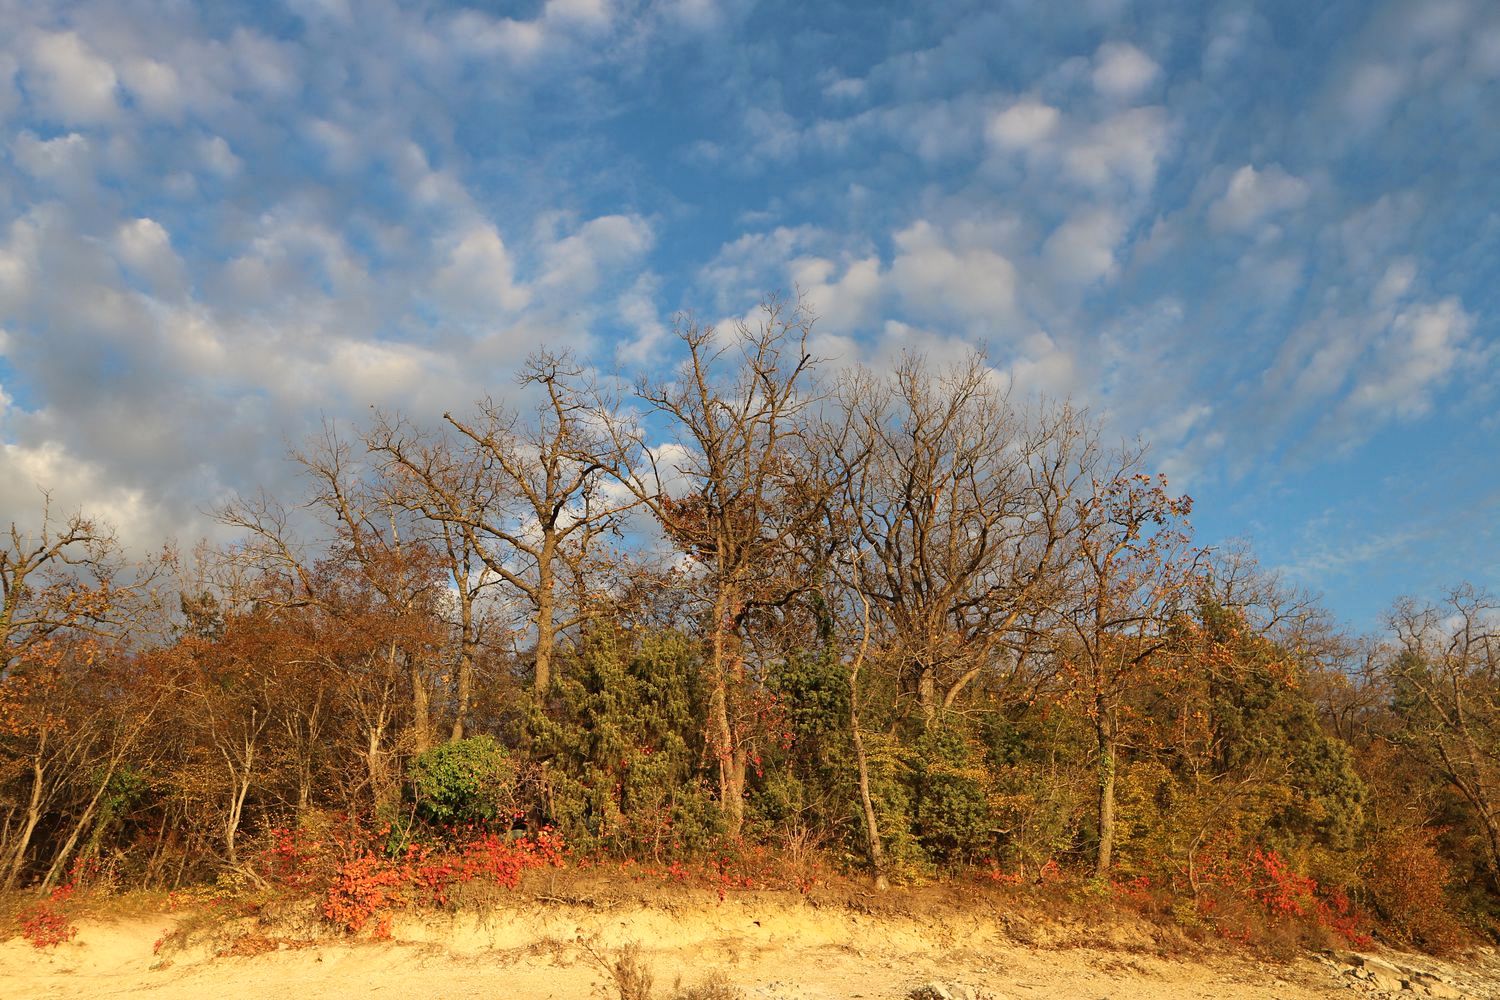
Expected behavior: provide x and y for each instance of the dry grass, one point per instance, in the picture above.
(633, 979)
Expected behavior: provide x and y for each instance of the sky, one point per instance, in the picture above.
(1263, 236)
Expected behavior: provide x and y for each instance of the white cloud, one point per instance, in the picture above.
(697, 15)
(264, 64)
(10, 98)
(479, 276)
(578, 263)
(754, 263)
(1044, 367)
(1122, 71)
(340, 146)
(15, 275)
(975, 283)
(73, 83)
(154, 86)
(1396, 281)
(218, 157)
(843, 304)
(1023, 125)
(1127, 147)
(380, 373)
(145, 248)
(845, 89)
(1419, 352)
(1371, 90)
(1082, 249)
(590, 13)
(1485, 52)
(65, 158)
(1254, 195)
(522, 42)
(193, 341)
(637, 309)
(74, 483)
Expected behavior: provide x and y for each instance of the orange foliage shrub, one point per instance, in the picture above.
(1407, 880)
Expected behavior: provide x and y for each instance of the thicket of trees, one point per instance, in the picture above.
(896, 617)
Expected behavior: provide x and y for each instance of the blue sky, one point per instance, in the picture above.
(1264, 236)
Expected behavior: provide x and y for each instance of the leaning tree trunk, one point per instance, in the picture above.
(33, 817)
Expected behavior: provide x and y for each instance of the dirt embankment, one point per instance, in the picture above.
(757, 946)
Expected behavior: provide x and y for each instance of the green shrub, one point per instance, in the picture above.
(467, 781)
(951, 812)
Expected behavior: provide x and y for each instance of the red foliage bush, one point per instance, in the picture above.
(44, 923)
(363, 888)
(1256, 897)
(359, 884)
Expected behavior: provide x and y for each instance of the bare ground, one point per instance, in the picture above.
(769, 946)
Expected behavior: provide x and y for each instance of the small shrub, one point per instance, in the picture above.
(632, 977)
(713, 988)
(466, 781)
(45, 923)
(1257, 898)
(364, 888)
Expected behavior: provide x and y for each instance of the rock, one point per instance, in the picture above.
(931, 991)
(1376, 971)
(948, 991)
(1438, 988)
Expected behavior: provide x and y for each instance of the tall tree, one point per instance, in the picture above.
(1131, 568)
(961, 506)
(535, 516)
(740, 494)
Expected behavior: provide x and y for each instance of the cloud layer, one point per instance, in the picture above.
(1265, 241)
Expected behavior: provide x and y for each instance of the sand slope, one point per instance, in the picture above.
(772, 948)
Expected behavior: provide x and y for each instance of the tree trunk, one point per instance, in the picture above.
(421, 708)
(876, 850)
(544, 628)
(236, 811)
(463, 683)
(60, 861)
(33, 817)
(1107, 762)
(375, 764)
(927, 695)
(721, 735)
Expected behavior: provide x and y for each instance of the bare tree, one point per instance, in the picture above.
(60, 578)
(744, 494)
(63, 606)
(1446, 678)
(541, 499)
(962, 506)
(451, 489)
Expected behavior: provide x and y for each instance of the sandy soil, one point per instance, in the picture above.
(769, 947)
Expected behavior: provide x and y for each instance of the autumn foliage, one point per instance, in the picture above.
(750, 624)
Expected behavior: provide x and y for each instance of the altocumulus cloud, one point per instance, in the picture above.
(1264, 240)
